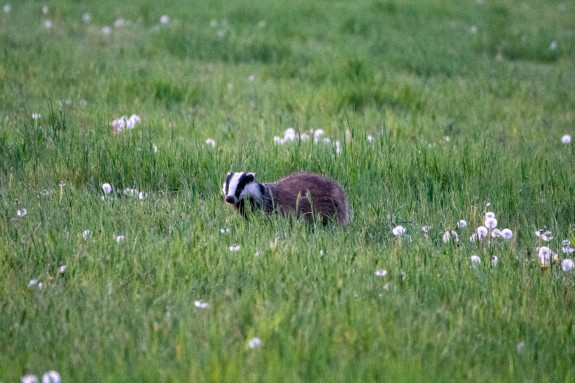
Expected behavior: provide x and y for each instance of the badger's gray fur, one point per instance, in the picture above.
(287, 195)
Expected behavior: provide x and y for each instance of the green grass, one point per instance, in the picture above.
(408, 73)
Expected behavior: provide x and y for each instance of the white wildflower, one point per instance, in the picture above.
(201, 304)
(461, 224)
(45, 9)
(520, 346)
(106, 30)
(473, 237)
(566, 247)
(51, 377)
(491, 223)
(278, 140)
(544, 253)
(210, 142)
(337, 148)
(223, 231)
(154, 148)
(48, 24)
(567, 264)
(546, 236)
(86, 234)
(475, 260)
(381, 273)
(36, 116)
(61, 269)
(164, 19)
(425, 229)
(386, 286)
(255, 343)
(553, 45)
(370, 138)
(107, 188)
(7, 8)
(304, 137)
(119, 23)
(252, 78)
(29, 378)
(21, 212)
(566, 139)
(120, 239)
(489, 215)
(142, 195)
(481, 232)
(86, 17)
(289, 134)
(506, 233)
(398, 230)
(33, 282)
(494, 261)
(473, 29)
(496, 233)
(448, 235)
(235, 248)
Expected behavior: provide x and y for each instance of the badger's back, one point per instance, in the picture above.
(327, 197)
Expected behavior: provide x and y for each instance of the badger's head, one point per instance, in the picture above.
(238, 186)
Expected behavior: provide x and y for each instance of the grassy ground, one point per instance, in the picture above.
(465, 101)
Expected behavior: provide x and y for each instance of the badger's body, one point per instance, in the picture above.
(307, 194)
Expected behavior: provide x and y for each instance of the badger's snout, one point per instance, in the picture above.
(231, 199)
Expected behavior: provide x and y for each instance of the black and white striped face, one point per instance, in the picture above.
(234, 186)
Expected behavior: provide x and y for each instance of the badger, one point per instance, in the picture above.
(307, 194)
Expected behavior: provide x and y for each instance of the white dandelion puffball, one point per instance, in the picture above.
(489, 215)
(381, 273)
(51, 377)
(481, 232)
(164, 19)
(491, 223)
(86, 234)
(473, 29)
(33, 282)
(120, 239)
(546, 236)
(107, 188)
(142, 195)
(29, 378)
(553, 45)
(544, 254)
(119, 23)
(494, 261)
(36, 116)
(45, 9)
(252, 78)
(106, 30)
(7, 8)
(21, 212)
(211, 143)
(86, 17)
(62, 268)
(289, 134)
(566, 247)
(567, 264)
(155, 148)
(370, 138)
(496, 233)
(255, 343)
(475, 260)
(506, 233)
(461, 224)
(566, 139)
(520, 346)
(201, 304)
(48, 24)
(449, 235)
(425, 229)
(398, 230)
(235, 248)
(473, 237)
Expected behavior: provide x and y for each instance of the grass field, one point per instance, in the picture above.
(441, 110)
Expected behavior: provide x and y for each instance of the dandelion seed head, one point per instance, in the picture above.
(36, 116)
(544, 253)
(255, 343)
(481, 232)
(370, 138)
(289, 134)
(201, 304)
(210, 142)
(106, 30)
(520, 346)
(545, 236)
(473, 29)
(425, 229)
(489, 215)
(252, 78)
(496, 233)
(494, 261)
(29, 378)
(7, 8)
(61, 269)
(566, 139)
(142, 195)
(33, 282)
(381, 273)
(21, 212)
(461, 224)
(506, 233)
(398, 230)
(553, 45)
(567, 265)
(119, 23)
(45, 9)
(449, 235)
(86, 234)
(235, 248)
(120, 239)
(164, 19)
(51, 377)
(475, 260)
(491, 223)
(386, 286)
(86, 17)
(48, 24)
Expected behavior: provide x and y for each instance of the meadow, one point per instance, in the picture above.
(435, 111)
